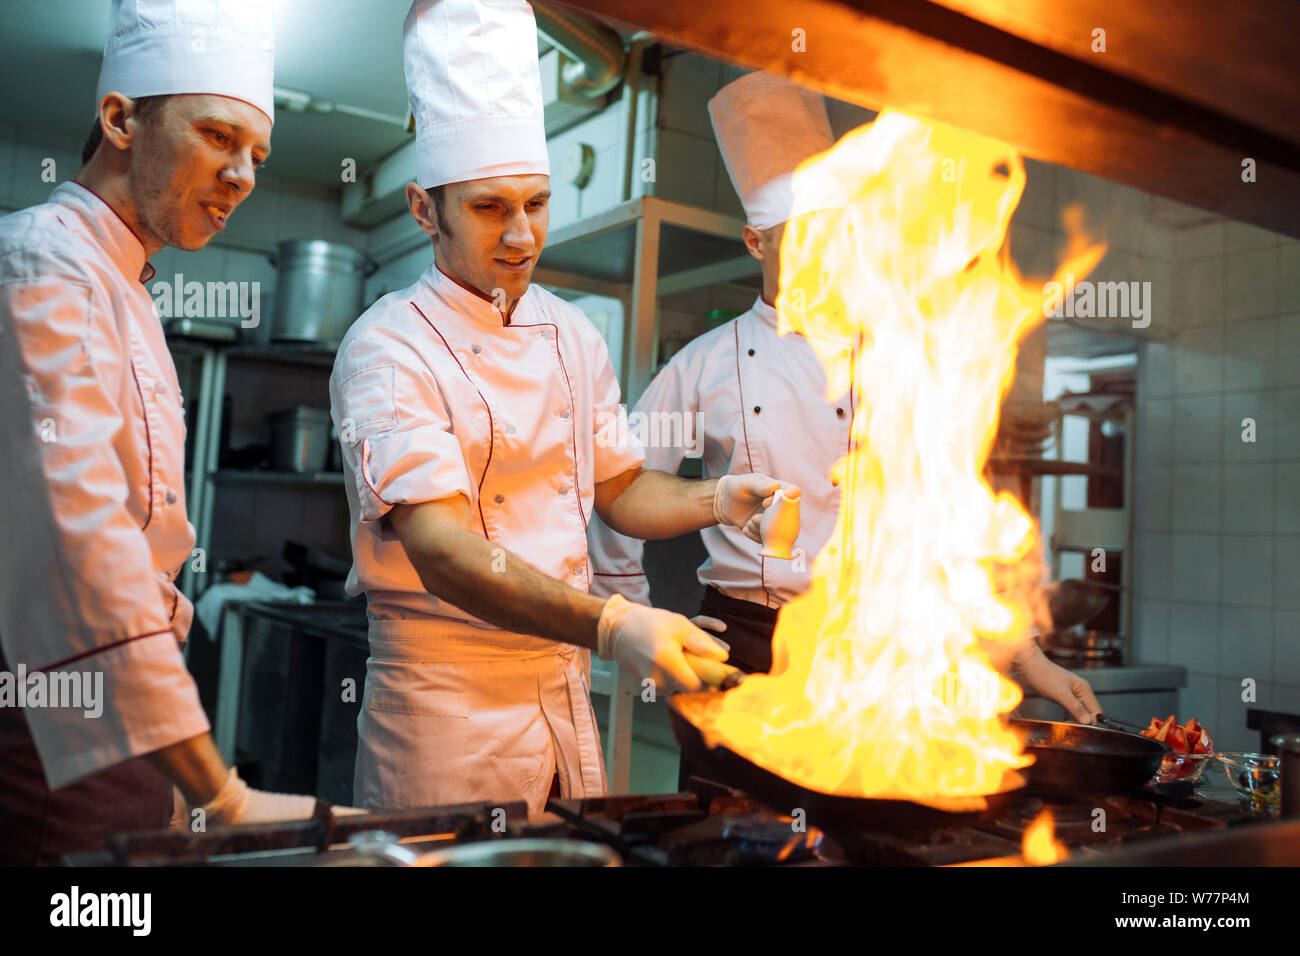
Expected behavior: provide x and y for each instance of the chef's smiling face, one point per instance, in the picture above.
(487, 233)
(194, 159)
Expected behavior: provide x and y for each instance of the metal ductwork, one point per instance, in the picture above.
(1195, 100)
(596, 50)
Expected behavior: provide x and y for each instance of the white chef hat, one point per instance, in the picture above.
(766, 126)
(161, 47)
(475, 89)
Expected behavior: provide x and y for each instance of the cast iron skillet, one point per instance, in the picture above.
(1074, 758)
(831, 812)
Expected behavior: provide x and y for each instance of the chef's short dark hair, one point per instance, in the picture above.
(439, 194)
(146, 107)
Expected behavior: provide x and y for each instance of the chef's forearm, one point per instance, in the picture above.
(497, 586)
(194, 765)
(659, 505)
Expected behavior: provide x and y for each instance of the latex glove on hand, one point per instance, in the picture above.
(238, 803)
(739, 501)
(648, 642)
(1056, 684)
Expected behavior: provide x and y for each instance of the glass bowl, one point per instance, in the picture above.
(1254, 776)
(1187, 769)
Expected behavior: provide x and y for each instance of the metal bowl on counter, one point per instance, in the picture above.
(505, 852)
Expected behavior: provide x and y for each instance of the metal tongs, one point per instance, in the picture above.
(1114, 723)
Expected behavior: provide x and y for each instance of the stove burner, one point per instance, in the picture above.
(772, 839)
(1097, 820)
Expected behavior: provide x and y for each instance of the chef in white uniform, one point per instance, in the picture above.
(760, 398)
(480, 426)
(94, 531)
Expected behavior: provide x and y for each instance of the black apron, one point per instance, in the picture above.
(38, 826)
(749, 632)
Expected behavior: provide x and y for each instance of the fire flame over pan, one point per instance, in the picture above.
(886, 680)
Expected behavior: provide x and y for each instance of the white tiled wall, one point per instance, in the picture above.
(1217, 517)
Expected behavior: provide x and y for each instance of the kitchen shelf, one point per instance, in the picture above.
(637, 252)
(203, 476)
(249, 476)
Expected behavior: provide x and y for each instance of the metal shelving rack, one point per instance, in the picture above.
(638, 252)
(202, 474)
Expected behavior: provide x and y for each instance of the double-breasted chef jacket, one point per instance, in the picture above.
(759, 399)
(94, 529)
(434, 395)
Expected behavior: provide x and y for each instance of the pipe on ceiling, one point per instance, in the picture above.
(597, 51)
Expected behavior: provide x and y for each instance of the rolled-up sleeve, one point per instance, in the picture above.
(79, 593)
(394, 427)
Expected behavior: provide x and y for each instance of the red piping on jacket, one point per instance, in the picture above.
(744, 427)
(492, 434)
(573, 427)
(97, 650)
(148, 437)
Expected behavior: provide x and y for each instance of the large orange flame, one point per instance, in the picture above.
(886, 678)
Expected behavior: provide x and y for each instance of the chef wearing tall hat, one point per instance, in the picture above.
(480, 427)
(760, 398)
(93, 530)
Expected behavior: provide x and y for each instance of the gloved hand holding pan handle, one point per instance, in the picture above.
(652, 643)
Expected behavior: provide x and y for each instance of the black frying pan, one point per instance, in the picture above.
(831, 812)
(1074, 758)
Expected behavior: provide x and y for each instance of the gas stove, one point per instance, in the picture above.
(711, 824)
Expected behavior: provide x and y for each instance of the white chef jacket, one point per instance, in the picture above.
(93, 525)
(759, 399)
(433, 396)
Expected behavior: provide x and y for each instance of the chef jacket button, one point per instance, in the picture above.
(564, 489)
(499, 498)
(839, 412)
(751, 351)
(476, 349)
(171, 497)
(510, 429)
(564, 413)
(757, 409)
